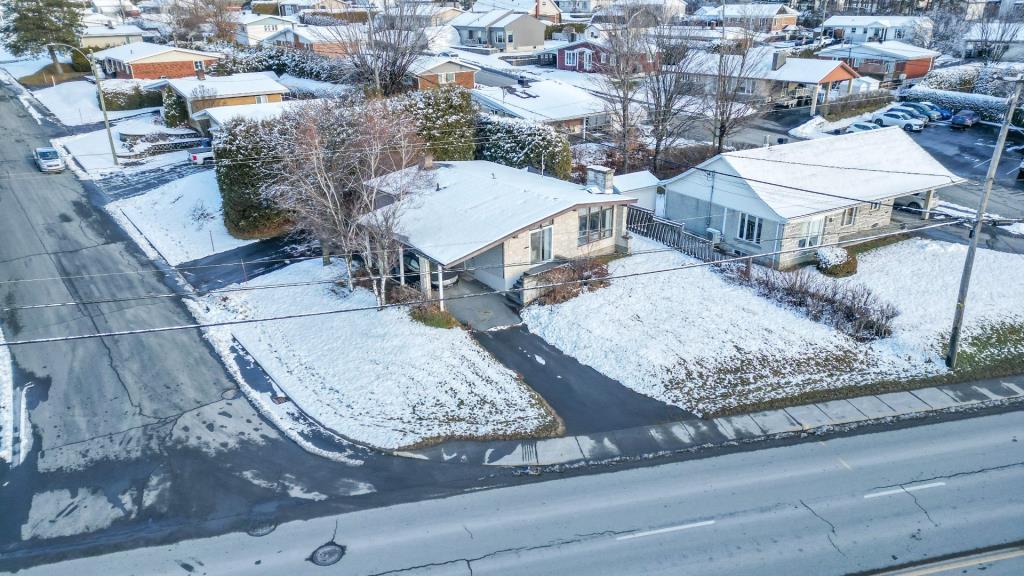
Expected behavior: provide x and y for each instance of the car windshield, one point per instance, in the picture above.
(48, 155)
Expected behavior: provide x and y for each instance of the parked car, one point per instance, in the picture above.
(894, 118)
(931, 113)
(965, 119)
(412, 271)
(201, 155)
(913, 113)
(944, 113)
(861, 127)
(48, 160)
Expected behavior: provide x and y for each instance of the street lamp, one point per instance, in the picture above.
(99, 88)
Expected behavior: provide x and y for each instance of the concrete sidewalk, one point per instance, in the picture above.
(691, 433)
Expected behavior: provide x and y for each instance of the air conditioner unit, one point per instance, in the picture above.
(714, 235)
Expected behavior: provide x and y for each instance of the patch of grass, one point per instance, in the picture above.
(48, 75)
(433, 316)
(855, 249)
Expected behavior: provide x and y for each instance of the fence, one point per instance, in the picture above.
(643, 222)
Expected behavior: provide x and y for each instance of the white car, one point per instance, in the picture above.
(894, 118)
(861, 127)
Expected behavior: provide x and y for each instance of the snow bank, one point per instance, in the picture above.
(374, 376)
(91, 151)
(831, 256)
(1016, 228)
(692, 339)
(182, 219)
(6, 404)
(317, 88)
(818, 127)
(76, 103)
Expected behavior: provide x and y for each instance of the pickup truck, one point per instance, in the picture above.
(201, 155)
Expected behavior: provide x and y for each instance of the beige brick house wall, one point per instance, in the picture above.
(868, 218)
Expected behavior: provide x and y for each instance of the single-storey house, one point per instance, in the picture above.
(1003, 40)
(107, 36)
(773, 75)
(294, 7)
(890, 61)
(857, 29)
(550, 102)
(592, 55)
(214, 91)
(252, 29)
(434, 71)
(643, 186)
(498, 222)
(500, 30)
(119, 9)
(325, 40)
(214, 119)
(142, 60)
(546, 10)
(801, 195)
(767, 18)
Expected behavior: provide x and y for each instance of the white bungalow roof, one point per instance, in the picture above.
(521, 6)
(625, 183)
(492, 19)
(250, 18)
(758, 65)
(220, 115)
(122, 30)
(428, 63)
(139, 50)
(828, 174)
(462, 208)
(890, 49)
(875, 21)
(249, 84)
(746, 10)
(541, 101)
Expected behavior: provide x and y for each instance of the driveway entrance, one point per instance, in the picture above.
(484, 312)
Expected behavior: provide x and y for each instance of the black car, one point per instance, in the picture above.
(412, 271)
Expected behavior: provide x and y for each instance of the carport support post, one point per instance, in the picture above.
(440, 286)
(965, 280)
(425, 277)
(814, 99)
(401, 265)
(929, 199)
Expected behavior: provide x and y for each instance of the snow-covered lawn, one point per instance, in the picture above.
(182, 219)
(91, 151)
(315, 88)
(693, 339)
(76, 103)
(375, 376)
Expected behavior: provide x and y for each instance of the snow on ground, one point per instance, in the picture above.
(66, 513)
(377, 377)
(91, 151)
(1017, 228)
(6, 404)
(961, 211)
(76, 103)
(693, 339)
(18, 66)
(316, 88)
(182, 219)
(818, 127)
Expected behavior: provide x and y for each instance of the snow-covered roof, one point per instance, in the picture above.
(220, 115)
(248, 84)
(492, 19)
(521, 6)
(747, 11)
(459, 209)
(847, 170)
(889, 49)
(321, 34)
(758, 65)
(995, 32)
(876, 21)
(625, 183)
(122, 30)
(250, 18)
(138, 50)
(428, 63)
(541, 101)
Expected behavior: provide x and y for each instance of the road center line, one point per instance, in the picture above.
(904, 489)
(665, 530)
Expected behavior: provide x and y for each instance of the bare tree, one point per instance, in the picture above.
(993, 34)
(671, 95)
(949, 27)
(733, 97)
(194, 20)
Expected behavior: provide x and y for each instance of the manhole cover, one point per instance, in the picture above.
(259, 528)
(229, 394)
(327, 554)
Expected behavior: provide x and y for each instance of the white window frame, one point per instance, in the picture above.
(546, 238)
(605, 216)
(850, 216)
(198, 66)
(571, 58)
(508, 38)
(754, 233)
(810, 233)
(262, 99)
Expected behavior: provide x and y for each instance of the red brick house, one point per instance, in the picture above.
(146, 61)
(435, 71)
(591, 55)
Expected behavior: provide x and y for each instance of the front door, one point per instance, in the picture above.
(540, 245)
(588, 60)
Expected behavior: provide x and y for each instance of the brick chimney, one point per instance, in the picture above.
(600, 179)
(201, 74)
(427, 161)
(778, 60)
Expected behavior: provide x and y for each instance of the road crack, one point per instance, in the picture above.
(918, 504)
(831, 528)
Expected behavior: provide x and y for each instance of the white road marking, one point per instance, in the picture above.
(665, 530)
(843, 462)
(904, 489)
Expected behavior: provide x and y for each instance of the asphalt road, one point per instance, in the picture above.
(835, 507)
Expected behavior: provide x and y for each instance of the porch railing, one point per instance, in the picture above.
(643, 222)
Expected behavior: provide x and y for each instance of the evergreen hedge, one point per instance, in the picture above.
(522, 144)
(446, 121)
(175, 109)
(131, 98)
(240, 150)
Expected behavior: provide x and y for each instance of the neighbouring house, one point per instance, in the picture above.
(546, 10)
(110, 35)
(704, 36)
(766, 18)
(431, 15)
(212, 120)
(562, 106)
(593, 55)
(325, 40)
(640, 13)
(643, 186)
(214, 91)
(294, 7)
(798, 196)
(119, 9)
(498, 223)
(434, 71)
(774, 76)
(857, 29)
(500, 31)
(1001, 40)
(142, 60)
(891, 61)
(252, 29)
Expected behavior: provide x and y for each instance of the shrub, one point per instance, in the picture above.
(432, 315)
(79, 63)
(175, 111)
(131, 98)
(574, 277)
(522, 144)
(239, 150)
(446, 121)
(299, 63)
(990, 107)
(836, 261)
(271, 8)
(854, 104)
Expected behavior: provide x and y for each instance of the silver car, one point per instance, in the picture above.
(49, 160)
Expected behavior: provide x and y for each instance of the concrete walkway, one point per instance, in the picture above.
(695, 432)
(485, 312)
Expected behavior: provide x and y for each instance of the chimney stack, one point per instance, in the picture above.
(778, 60)
(200, 74)
(427, 161)
(600, 179)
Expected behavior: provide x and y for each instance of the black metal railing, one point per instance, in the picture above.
(643, 222)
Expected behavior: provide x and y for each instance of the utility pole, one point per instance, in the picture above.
(99, 88)
(965, 280)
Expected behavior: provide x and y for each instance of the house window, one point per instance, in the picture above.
(750, 228)
(890, 66)
(570, 58)
(604, 57)
(499, 37)
(261, 99)
(540, 245)
(470, 34)
(808, 234)
(128, 70)
(595, 223)
(899, 33)
(875, 206)
(270, 28)
(198, 65)
(509, 38)
(856, 63)
(446, 78)
(850, 216)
